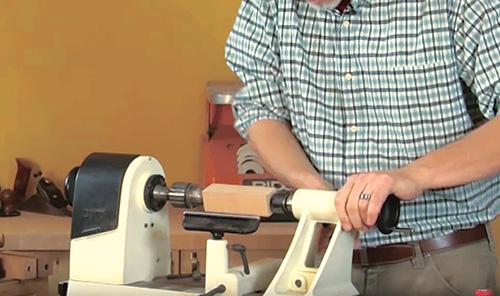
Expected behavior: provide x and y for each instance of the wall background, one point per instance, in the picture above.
(113, 76)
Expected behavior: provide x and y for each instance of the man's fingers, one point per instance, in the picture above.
(363, 204)
(340, 206)
(353, 202)
(376, 203)
(379, 196)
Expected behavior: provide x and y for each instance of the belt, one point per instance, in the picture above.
(395, 253)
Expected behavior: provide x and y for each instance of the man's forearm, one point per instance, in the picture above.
(282, 155)
(474, 157)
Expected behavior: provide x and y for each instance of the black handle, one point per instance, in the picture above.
(217, 290)
(389, 215)
(242, 250)
(195, 267)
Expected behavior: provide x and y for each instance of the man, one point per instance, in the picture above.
(379, 97)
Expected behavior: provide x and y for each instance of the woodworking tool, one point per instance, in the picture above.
(120, 240)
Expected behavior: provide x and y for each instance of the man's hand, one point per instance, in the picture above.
(362, 214)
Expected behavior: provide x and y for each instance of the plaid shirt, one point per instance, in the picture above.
(374, 88)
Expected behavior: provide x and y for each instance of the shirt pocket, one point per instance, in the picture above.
(422, 105)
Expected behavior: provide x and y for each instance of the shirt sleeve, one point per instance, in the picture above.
(478, 49)
(252, 53)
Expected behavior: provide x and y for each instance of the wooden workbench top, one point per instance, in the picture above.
(31, 231)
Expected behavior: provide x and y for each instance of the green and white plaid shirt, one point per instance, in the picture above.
(375, 88)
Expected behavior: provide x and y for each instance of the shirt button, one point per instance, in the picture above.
(354, 128)
(346, 24)
(348, 76)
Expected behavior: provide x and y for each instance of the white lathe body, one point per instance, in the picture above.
(121, 245)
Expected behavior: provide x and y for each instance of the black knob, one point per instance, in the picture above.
(389, 215)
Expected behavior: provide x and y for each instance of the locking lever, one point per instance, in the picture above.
(243, 252)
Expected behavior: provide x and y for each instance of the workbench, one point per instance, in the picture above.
(35, 248)
(42, 242)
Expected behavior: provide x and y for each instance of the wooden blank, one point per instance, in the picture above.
(238, 199)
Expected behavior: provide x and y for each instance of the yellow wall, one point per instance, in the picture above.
(108, 75)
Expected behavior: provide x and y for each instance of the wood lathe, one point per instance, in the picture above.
(120, 242)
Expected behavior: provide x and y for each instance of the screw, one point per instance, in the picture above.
(298, 283)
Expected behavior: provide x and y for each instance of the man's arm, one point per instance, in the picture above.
(282, 155)
(473, 157)
(261, 107)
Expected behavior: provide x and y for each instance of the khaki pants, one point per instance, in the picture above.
(459, 271)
